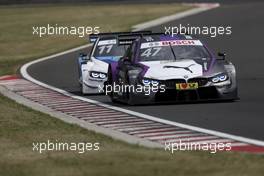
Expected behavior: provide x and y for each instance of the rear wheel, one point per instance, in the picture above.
(129, 94)
(81, 88)
(129, 99)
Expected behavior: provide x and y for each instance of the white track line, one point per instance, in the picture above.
(192, 139)
(164, 133)
(162, 20)
(238, 144)
(214, 141)
(174, 136)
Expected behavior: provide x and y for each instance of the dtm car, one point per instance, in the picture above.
(162, 68)
(93, 68)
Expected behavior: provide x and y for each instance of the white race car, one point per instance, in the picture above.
(93, 68)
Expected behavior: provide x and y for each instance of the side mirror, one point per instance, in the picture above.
(223, 55)
(83, 57)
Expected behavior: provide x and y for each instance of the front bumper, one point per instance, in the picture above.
(91, 86)
(206, 92)
(200, 94)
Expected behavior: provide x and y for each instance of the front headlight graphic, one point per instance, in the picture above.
(148, 82)
(98, 75)
(220, 78)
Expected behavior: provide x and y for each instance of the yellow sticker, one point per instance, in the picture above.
(186, 86)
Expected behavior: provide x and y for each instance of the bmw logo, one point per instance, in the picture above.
(185, 76)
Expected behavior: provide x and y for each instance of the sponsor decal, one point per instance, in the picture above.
(186, 86)
(181, 42)
(107, 42)
(172, 43)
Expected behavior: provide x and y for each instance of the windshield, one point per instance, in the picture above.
(169, 50)
(109, 48)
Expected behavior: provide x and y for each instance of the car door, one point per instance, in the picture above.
(124, 64)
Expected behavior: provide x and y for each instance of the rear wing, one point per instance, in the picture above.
(128, 40)
(94, 37)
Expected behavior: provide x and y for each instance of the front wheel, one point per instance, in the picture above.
(84, 89)
(110, 83)
(81, 85)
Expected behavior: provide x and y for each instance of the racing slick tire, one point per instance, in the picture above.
(109, 82)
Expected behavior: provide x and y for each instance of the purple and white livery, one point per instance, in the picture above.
(179, 68)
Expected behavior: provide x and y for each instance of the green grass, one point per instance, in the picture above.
(21, 126)
(18, 45)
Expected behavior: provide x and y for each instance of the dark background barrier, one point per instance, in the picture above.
(2, 2)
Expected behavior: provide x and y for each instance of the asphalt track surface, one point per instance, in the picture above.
(244, 48)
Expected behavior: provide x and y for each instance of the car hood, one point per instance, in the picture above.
(108, 59)
(182, 69)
